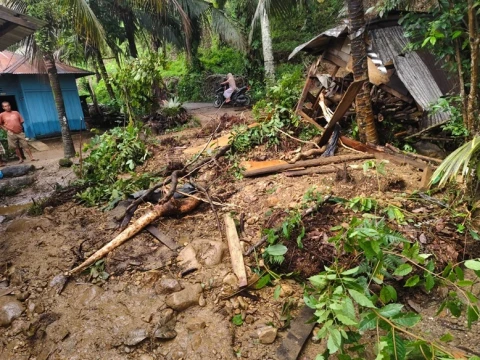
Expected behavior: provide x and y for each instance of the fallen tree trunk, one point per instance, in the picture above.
(316, 170)
(306, 163)
(172, 207)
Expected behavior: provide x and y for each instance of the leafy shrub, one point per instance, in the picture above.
(189, 87)
(223, 60)
(115, 152)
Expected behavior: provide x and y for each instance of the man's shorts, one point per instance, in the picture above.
(16, 140)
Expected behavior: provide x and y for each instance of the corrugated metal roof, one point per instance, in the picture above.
(320, 42)
(390, 43)
(11, 63)
(14, 27)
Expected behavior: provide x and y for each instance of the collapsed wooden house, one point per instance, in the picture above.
(405, 83)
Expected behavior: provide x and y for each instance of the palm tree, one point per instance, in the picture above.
(365, 119)
(82, 21)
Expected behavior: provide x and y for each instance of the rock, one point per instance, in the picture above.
(57, 331)
(249, 319)
(65, 162)
(285, 290)
(201, 252)
(166, 325)
(185, 298)
(16, 182)
(2, 219)
(429, 149)
(267, 334)
(17, 170)
(145, 357)
(88, 293)
(195, 325)
(231, 280)
(10, 309)
(167, 286)
(22, 296)
(135, 337)
(201, 301)
(272, 201)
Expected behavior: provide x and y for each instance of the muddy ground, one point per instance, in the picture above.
(147, 310)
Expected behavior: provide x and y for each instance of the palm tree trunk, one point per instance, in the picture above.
(103, 72)
(472, 109)
(365, 119)
(68, 148)
(267, 44)
(129, 26)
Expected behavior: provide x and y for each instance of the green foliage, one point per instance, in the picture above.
(116, 152)
(96, 273)
(451, 105)
(278, 108)
(346, 306)
(222, 60)
(362, 204)
(237, 320)
(190, 87)
(136, 79)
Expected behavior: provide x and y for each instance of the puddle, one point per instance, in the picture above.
(12, 209)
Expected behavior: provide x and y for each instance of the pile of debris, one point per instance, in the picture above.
(161, 120)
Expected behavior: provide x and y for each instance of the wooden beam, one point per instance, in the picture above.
(310, 120)
(6, 28)
(341, 109)
(236, 253)
(19, 20)
(303, 96)
(306, 163)
(335, 59)
(396, 93)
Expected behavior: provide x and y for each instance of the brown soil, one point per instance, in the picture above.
(94, 319)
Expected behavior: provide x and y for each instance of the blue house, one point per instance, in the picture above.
(25, 86)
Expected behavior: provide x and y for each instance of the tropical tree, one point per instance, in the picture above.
(364, 114)
(74, 15)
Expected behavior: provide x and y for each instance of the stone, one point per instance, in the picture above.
(166, 325)
(26, 224)
(135, 337)
(209, 253)
(285, 290)
(65, 162)
(145, 357)
(195, 325)
(231, 280)
(249, 319)
(10, 309)
(167, 286)
(202, 301)
(272, 201)
(88, 294)
(57, 331)
(267, 334)
(187, 259)
(185, 298)
(22, 296)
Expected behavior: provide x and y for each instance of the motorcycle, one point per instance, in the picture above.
(238, 98)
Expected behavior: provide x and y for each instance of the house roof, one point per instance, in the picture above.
(14, 27)
(16, 64)
(420, 74)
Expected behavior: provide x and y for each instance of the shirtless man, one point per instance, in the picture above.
(12, 123)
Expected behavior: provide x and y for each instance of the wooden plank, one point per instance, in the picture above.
(426, 177)
(306, 163)
(400, 160)
(334, 59)
(214, 144)
(395, 93)
(300, 330)
(254, 165)
(310, 120)
(19, 19)
(236, 254)
(163, 238)
(341, 109)
(303, 96)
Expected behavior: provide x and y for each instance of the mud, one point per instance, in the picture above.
(126, 315)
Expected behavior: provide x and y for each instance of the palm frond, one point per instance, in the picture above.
(85, 21)
(226, 29)
(457, 162)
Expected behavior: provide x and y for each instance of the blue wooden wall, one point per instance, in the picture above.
(36, 104)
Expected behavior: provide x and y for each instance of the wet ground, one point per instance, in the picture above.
(136, 305)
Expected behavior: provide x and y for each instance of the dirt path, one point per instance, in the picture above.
(146, 310)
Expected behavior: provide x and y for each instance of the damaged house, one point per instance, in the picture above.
(405, 83)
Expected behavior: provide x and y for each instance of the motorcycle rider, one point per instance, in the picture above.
(231, 87)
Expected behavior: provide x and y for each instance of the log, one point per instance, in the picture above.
(413, 155)
(315, 170)
(235, 251)
(306, 163)
(172, 207)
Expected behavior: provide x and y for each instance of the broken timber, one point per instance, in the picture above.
(160, 236)
(341, 109)
(235, 251)
(306, 163)
(300, 330)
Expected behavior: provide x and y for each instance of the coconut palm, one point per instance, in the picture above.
(81, 20)
(365, 119)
